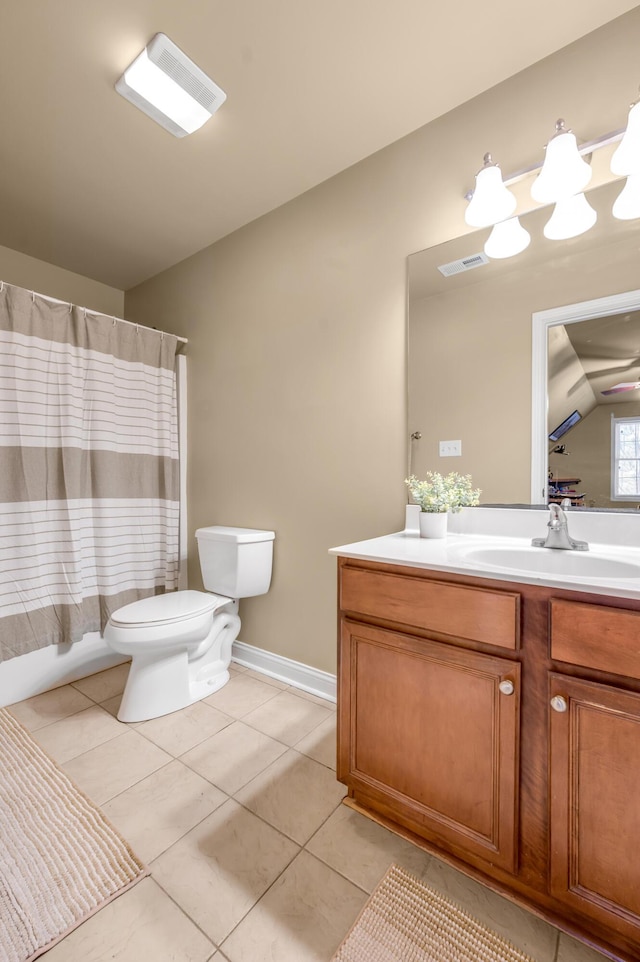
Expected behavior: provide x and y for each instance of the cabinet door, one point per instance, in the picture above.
(428, 738)
(595, 801)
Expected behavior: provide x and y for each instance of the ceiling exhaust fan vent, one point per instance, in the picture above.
(186, 74)
(464, 264)
(170, 88)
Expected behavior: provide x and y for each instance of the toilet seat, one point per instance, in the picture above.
(167, 609)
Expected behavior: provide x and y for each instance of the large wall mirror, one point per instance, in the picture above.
(476, 374)
(586, 403)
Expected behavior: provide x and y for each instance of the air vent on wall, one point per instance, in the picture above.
(464, 264)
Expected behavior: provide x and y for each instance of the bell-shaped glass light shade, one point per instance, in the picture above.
(507, 239)
(571, 216)
(491, 200)
(627, 203)
(564, 172)
(626, 157)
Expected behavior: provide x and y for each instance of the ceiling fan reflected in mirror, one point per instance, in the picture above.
(623, 386)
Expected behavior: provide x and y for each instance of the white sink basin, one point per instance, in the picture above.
(551, 561)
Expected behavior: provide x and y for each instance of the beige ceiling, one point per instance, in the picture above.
(608, 349)
(91, 184)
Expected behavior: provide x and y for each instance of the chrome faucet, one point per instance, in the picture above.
(558, 535)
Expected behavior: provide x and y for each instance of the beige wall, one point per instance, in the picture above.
(34, 275)
(297, 417)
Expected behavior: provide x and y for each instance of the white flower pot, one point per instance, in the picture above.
(433, 524)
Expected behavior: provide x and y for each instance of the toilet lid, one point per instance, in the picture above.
(163, 609)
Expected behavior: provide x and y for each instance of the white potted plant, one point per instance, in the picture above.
(437, 495)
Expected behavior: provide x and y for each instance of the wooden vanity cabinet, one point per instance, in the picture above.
(432, 739)
(497, 725)
(594, 763)
(595, 801)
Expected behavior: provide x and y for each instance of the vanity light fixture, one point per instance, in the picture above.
(507, 239)
(626, 163)
(564, 172)
(627, 204)
(626, 158)
(168, 87)
(562, 179)
(491, 201)
(571, 217)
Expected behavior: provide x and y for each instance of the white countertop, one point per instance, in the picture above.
(451, 554)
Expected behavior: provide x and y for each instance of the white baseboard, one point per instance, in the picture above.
(57, 665)
(295, 673)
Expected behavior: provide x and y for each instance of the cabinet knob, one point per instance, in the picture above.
(506, 687)
(558, 703)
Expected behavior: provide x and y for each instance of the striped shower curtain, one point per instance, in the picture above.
(89, 500)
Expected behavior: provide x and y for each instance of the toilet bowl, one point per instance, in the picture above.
(180, 642)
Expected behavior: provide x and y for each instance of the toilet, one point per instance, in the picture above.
(180, 642)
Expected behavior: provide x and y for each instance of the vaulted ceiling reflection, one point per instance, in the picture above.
(594, 370)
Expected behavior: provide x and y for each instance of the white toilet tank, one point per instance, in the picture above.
(235, 562)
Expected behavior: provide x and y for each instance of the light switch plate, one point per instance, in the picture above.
(450, 449)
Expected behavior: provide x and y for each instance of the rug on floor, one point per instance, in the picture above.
(407, 921)
(60, 859)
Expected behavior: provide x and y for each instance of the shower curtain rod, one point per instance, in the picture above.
(120, 320)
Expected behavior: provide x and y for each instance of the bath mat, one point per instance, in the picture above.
(406, 921)
(60, 859)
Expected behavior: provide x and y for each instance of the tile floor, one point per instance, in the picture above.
(234, 805)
